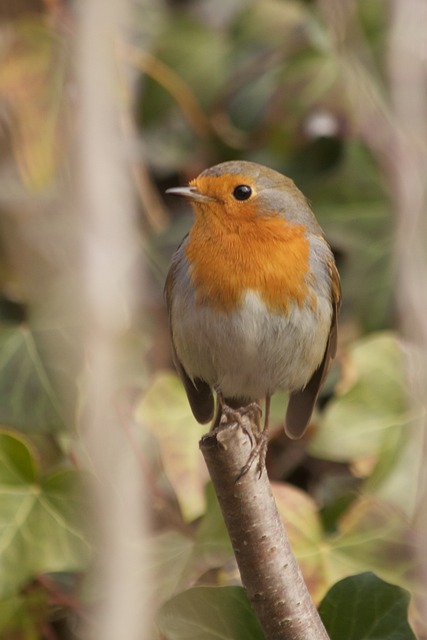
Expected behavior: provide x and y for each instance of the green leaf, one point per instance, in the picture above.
(169, 555)
(372, 408)
(303, 525)
(39, 518)
(209, 613)
(176, 47)
(395, 477)
(364, 607)
(371, 424)
(371, 536)
(177, 562)
(212, 545)
(165, 412)
(10, 609)
(212, 531)
(23, 616)
(32, 77)
(273, 22)
(17, 464)
(352, 207)
(28, 399)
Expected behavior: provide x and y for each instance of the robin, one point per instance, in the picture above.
(252, 294)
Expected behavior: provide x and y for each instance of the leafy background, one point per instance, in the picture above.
(208, 81)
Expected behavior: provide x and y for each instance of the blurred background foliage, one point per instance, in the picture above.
(301, 86)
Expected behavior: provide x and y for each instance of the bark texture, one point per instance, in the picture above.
(268, 568)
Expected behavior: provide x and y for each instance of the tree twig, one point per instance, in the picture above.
(268, 568)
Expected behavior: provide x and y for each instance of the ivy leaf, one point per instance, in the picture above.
(22, 616)
(209, 613)
(178, 562)
(169, 555)
(165, 411)
(371, 535)
(371, 424)
(363, 607)
(371, 408)
(32, 74)
(28, 398)
(212, 544)
(303, 526)
(39, 518)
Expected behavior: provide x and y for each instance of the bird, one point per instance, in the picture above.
(252, 296)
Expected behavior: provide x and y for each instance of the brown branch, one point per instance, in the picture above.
(268, 568)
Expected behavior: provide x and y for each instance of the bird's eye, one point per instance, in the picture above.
(242, 192)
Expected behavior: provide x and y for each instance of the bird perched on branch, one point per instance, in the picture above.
(252, 294)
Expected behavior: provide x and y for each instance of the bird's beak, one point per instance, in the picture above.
(189, 192)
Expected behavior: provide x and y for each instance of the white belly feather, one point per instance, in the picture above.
(250, 352)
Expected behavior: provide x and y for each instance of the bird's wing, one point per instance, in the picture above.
(301, 403)
(198, 392)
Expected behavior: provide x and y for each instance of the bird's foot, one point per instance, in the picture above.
(258, 452)
(249, 418)
(252, 411)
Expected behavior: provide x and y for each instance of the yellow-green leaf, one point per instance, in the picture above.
(165, 411)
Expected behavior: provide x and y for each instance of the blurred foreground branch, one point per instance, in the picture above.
(408, 86)
(108, 254)
(269, 570)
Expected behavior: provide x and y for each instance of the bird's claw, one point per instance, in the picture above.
(251, 427)
(259, 450)
(251, 410)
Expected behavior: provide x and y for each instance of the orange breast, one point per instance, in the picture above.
(266, 255)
